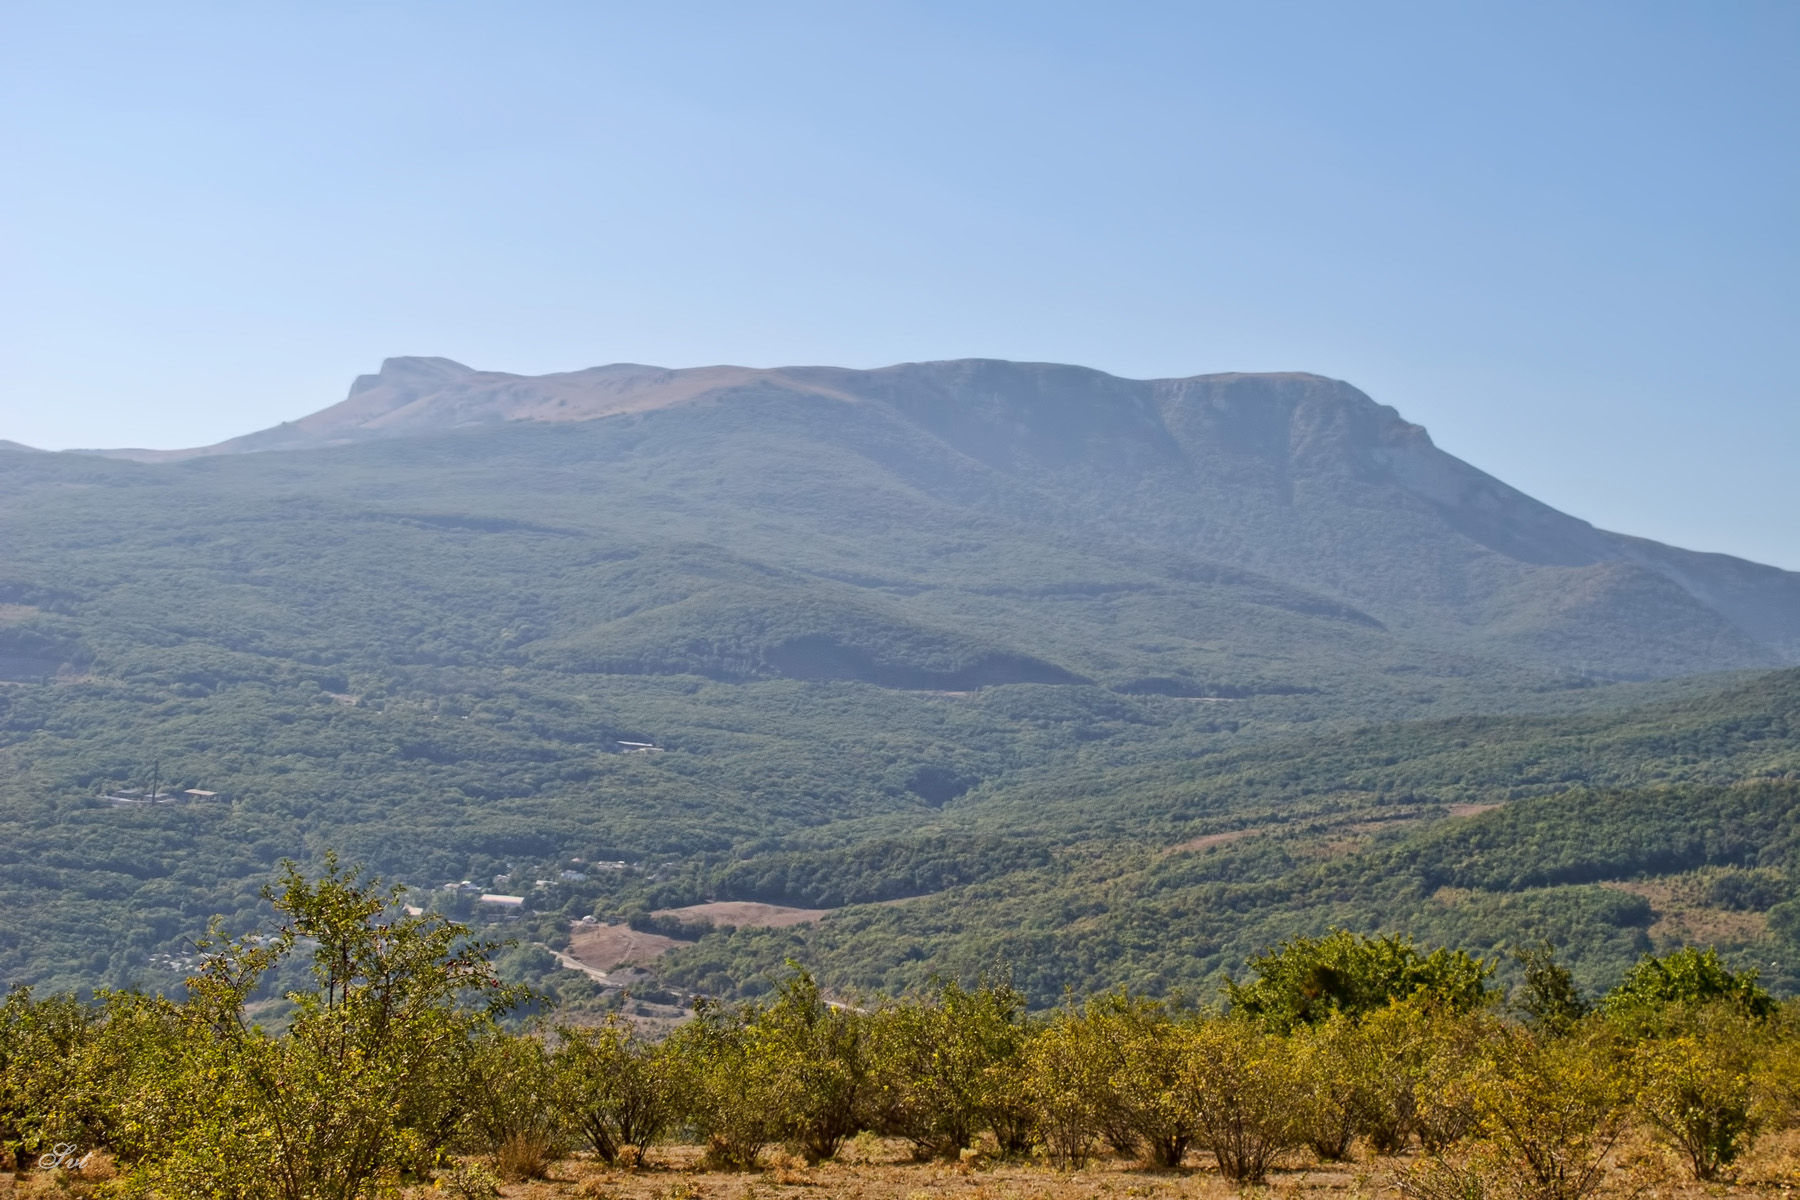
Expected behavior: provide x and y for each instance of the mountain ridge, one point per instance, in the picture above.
(1295, 476)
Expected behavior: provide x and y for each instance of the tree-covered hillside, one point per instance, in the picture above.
(826, 646)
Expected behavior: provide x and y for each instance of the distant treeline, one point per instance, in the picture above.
(393, 1064)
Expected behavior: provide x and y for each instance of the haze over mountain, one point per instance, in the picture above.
(1299, 478)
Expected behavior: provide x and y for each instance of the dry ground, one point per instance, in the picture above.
(1215, 839)
(604, 947)
(878, 1170)
(745, 914)
(1682, 917)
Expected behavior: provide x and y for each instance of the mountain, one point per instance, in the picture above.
(467, 625)
(1299, 478)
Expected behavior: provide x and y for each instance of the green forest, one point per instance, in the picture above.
(803, 654)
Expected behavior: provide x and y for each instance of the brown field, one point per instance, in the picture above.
(1683, 918)
(875, 1169)
(604, 947)
(878, 1170)
(1469, 810)
(745, 914)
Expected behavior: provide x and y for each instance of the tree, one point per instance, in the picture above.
(617, 1090)
(1249, 1096)
(950, 1066)
(1688, 978)
(1305, 980)
(323, 1111)
(1548, 996)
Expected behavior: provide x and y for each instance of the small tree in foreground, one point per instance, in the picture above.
(1696, 1089)
(322, 1111)
(1250, 1096)
(616, 1090)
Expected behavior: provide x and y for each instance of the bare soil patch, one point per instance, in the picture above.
(745, 914)
(604, 947)
(1469, 810)
(1683, 918)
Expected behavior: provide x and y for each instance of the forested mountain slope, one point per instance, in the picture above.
(1296, 476)
(1610, 834)
(989, 600)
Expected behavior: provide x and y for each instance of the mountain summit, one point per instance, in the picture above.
(1302, 480)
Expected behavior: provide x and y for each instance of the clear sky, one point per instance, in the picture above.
(1560, 235)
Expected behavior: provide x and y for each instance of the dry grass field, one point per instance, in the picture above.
(877, 1169)
(745, 914)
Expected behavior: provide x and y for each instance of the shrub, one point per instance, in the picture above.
(1393, 1047)
(42, 1101)
(1069, 1077)
(1333, 1059)
(614, 1089)
(1153, 1086)
(946, 1068)
(1249, 1095)
(512, 1105)
(1447, 1073)
(1551, 1109)
(818, 1055)
(1696, 1089)
(734, 1096)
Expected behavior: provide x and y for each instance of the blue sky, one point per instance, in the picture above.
(1561, 236)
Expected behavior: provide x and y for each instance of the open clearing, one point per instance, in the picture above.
(604, 947)
(745, 914)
